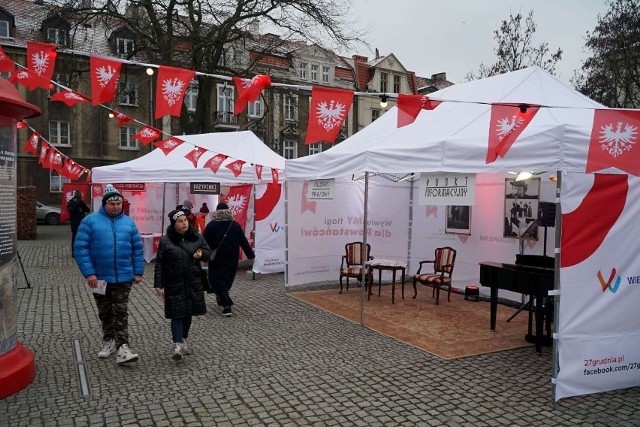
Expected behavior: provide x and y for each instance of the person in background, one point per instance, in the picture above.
(204, 209)
(77, 209)
(108, 247)
(225, 235)
(178, 278)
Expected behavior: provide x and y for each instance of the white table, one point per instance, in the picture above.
(150, 242)
(388, 265)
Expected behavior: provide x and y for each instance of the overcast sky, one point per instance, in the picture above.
(455, 36)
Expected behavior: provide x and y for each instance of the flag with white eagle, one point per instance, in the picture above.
(614, 141)
(105, 74)
(171, 86)
(328, 110)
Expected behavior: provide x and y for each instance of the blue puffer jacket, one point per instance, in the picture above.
(109, 247)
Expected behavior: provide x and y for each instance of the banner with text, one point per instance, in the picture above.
(447, 189)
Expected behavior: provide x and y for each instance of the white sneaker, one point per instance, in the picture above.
(125, 355)
(184, 348)
(177, 352)
(108, 347)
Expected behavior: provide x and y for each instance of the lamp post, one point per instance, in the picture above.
(150, 72)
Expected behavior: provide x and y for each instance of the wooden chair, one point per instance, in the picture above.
(352, 264)
(443, 263)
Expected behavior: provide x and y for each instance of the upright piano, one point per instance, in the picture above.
(533, 280)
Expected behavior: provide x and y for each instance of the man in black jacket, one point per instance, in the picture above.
(77, 210)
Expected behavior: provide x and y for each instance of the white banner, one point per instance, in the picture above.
(270, 233)
(447, 189)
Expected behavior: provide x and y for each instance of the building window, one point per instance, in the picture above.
(375, 114)
(325, 74)
(5, 74)
(314, 72)
(57, 35)
(254, 109)
(59, 133)
(191, 96)
(291, 108)
(225, 99)
(126, 138)
(128, 93)
(384, 81)
(124, 47)
(4, 28)
(56, 181)
(62, 79)
(290, 149)
(303, 70)
(315, 148)
(396, 84)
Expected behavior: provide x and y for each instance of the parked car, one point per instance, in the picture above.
(47, 214)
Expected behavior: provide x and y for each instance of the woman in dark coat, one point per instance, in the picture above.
(227, 236)
(178, 277)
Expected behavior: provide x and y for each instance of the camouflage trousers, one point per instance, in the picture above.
(113, 312)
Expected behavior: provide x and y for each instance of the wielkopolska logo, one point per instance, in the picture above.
(612, 284)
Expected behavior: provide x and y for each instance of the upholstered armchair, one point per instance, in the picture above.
(443, 263)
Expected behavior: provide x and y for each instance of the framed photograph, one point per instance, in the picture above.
(521, 201)
(458, 220)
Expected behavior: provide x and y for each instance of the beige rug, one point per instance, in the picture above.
(450, 330)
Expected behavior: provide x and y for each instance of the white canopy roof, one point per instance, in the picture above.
(454, 136)
(174, 167)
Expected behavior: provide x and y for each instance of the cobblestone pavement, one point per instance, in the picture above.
(277, 361)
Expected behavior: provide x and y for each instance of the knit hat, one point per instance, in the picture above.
(187, 205)
(110, 193)
(222, 205)
(177, 213)
(204, 208)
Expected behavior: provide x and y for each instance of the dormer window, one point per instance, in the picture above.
(56, 30)
(4, 28)
(57, 35)
(6, 23)
(124, 47)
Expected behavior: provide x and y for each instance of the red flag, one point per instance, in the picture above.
(6, 64)
(122, 118)
(329, 108)
(274, 176)
(57, 161)
(31, 146)
(168, 145)
(613, 138)
(147, 134)
(96, 190)
(24, 78)
(259, 172)
(21, 125)
(236, 167)
(41, 59)
(88, 177)
(44, 153)
(249, 90)
(238, 200)
(68, 190)
(507, 123)
(50, 160)
(170, 89)
(194, 155)
(73, 170)
(69, 97)
(105, 73)
(215, 162)
(409, 107)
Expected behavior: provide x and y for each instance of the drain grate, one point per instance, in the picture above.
(81, 372)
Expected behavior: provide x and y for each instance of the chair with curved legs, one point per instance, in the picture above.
(443, 263)
(352, 263)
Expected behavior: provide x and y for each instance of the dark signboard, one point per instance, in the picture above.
(204, 187)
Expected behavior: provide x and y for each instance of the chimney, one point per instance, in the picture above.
(360, 58)
(377, 53)
(440, 77)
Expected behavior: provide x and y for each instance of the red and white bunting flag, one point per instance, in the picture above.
(41, 60)
(274, 176)
(215, 162)
(21, 125)
(249, 90)
(69, 97)
(614, 141)
(44, 153)
(31, 146)
(329, 109)
(96, 190)
(170, 89)
(88, 177)
(147, 134)
(122, 118)
(6, 63)
(23, 77)
(194, 155)
(169, 144)
(236, 167)
(57, 161)
(105, 73)
(50, 161)
(409, 107)
(506, 125)
(238, 201)
(259, 172)
(74, 170)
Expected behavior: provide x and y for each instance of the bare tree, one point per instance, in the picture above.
(611, 75)
(515, 50)
(201, 34)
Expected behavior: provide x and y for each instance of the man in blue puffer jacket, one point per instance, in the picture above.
(108, 248)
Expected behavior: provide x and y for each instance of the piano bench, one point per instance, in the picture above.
(472, 293)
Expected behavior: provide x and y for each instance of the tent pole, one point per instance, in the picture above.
(556, 284)
(164, 200)
(363, 251)
(410, 224)
(253, 273)
(286, 236)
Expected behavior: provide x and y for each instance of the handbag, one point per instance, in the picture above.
(214, 251)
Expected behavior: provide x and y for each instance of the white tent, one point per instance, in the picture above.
(156, 170)
(596, 351)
